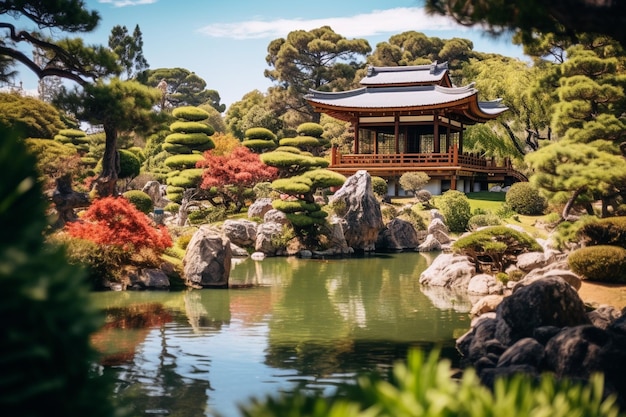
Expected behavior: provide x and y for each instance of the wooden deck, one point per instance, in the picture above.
(436, 165)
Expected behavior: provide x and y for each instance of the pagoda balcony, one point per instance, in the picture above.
(436, 165)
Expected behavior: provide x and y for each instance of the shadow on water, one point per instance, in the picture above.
(284, 323)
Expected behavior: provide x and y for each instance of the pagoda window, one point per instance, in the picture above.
(454, 138)
(367, 139)
(386, 143)
(427, 143)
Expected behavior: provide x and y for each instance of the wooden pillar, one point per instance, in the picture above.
(436, 144)
(461, 138)
(397, 133)
(356, 137)
(333, 156)
(453, 182)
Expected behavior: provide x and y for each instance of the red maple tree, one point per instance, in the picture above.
(231, 175)
(114, 221)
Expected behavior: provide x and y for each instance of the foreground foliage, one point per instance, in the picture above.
(46, 360)
(423, 387)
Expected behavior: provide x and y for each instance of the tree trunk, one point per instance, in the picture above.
(570, 203)
(65, 200)
(511, 135)
(106, 183)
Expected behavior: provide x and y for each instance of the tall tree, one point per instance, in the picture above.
(566, 17)
(319, 59)
(66, 58)
(129, 50)
(253, 110)
(181, 88)
(118, 106)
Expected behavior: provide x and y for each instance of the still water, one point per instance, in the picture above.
(286, 323)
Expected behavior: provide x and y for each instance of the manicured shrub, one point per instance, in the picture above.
(300, 141)
(497, 246)
(607, 231)
(140, 200)
(130, 165)
(183, 161)
(190, 113)
(524, 198)
(172, 207)
(456, 209)
(259, 145)
(603, 263)
(192, 127)
(413, 181)
(379, 186)
(294, 206)
(260, 133)
(310, 129)
(482, 220)
(187, 139)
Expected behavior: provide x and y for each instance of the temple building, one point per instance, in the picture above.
(411, 118)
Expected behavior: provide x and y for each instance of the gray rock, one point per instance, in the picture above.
(363, 219)
(260, 207)
(430, 244)
(207, 260)
(448, 270)
(397, 235)
(486, 304)
(266, 236)
(240, 232)
(149, 279)
(484, 284)
(275, 216)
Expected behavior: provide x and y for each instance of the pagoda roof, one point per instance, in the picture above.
(415, 99)
(408, 75)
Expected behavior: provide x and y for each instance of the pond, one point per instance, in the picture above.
(285, 323)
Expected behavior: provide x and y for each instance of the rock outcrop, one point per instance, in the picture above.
(363, 219)
(207, 260)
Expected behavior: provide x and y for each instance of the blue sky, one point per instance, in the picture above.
(225, 42)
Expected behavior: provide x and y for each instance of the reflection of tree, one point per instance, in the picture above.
(348, 315)
(207, 310)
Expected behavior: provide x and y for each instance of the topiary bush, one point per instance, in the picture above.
(379, 186)
(456, 209)
(602, 263)
(140, 200)
(482, 220)
(607, 231)
(524, 198)
(310, 129)
(496, 246)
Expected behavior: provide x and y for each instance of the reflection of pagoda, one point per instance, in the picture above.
(412, 118)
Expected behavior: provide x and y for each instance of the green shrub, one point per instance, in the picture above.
(409, 214)
(607, 231)
(187, 139)
(524, 198)
(456, 210)
(294, 206)
(497, 246)
(260, 133)
(263, 190)
(482, 220)
(208, 215)
(300, 141)
(141, 200)
(130, 165)
(603, 263)
(379, 186)
(191, 113)
(310, 129)
(183, 161)
(172, 207)
(422, 386)
(192, 127)
(413, 181)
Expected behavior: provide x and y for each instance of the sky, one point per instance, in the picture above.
(225, 42)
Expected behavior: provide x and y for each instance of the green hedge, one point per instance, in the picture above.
(183, 161)
(260, 133)
(140, 199)
(607, 231)
(524, 198)
(191, 113)
(301, 141)
(603, 263)
(188, 139)
(310, 129)
(192, 127)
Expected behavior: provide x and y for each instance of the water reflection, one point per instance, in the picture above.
(286, 322)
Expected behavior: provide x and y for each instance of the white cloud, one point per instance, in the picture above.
(124, 3)
(362, 25)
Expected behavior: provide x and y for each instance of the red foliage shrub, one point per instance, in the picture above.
(116, 222)
(242, 168)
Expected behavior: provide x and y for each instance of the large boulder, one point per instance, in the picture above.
(267, 235)
(363, 219)
(207, 260)
(155, 190)
(449, 270)
(260, 207)
(398, 235)
(240, 232)
(149, 279)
